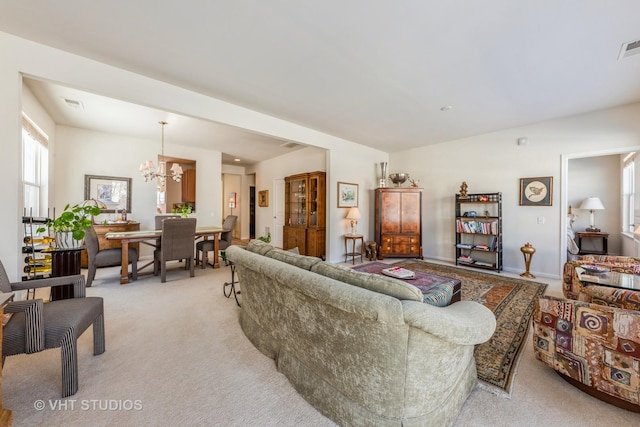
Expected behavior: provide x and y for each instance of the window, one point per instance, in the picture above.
(35, 168)
(628, 189)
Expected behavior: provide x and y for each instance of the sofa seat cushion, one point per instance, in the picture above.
(373, 282)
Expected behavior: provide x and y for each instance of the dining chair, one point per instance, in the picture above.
(105, 257)
(35, 326)
(178, 235)
(203, 247)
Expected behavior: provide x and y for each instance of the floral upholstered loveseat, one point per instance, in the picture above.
(592, 337)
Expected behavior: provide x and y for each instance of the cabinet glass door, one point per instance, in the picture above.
(313, 201)
(298, 202)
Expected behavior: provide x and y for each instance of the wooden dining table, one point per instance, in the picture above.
(144, 236)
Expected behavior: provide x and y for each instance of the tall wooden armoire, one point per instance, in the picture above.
(398, 222)
(305, 213)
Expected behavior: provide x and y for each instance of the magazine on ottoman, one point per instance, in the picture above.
(399, 273)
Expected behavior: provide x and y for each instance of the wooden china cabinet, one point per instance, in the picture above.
(305, 213)
(398, 222)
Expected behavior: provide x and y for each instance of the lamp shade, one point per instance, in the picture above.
(592, 204)
(353, 213)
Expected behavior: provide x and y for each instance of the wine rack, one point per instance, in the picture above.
(36, 260)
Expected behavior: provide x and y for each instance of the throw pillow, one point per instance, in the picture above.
(439, 295)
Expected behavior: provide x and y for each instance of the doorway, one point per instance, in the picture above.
(580, 180)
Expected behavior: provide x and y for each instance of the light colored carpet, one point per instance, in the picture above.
(175, 355)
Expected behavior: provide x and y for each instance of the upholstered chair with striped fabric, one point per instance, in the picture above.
(35, 326)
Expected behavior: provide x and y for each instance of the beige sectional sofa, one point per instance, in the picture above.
(361, 348)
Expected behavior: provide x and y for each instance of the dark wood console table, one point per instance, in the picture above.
(604, 237)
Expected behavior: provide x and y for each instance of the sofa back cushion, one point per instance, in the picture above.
(259, 247)
(293, 258)
(373, 282)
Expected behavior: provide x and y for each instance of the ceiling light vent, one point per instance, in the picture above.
(73, 104)
(629, 49)
(289, 145)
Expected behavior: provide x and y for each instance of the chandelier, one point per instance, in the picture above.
(149, 172)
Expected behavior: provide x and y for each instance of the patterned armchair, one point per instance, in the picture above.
(622, 298)
(594, 347)
(592, 338)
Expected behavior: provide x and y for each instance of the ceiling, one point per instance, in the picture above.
(72, 107)
(376, 72)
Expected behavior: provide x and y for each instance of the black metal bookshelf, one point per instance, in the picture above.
(479, 230)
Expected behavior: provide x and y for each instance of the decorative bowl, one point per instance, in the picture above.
(595, 269)
(398, 178)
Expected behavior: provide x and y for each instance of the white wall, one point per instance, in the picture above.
(307, 159)
(494, 162)
(82, 152)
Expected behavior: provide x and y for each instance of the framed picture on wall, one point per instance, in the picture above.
(113, 191)
(536, 191)
(263, 198)
(347, 195)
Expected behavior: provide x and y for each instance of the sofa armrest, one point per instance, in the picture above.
(77, 281)
(628, 299)
(34, 324)
(465, 322)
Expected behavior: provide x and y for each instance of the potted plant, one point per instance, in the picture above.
(183, 210)
(70, 226)
(266, 238)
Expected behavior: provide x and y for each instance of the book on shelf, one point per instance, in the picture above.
(484, 264)
(477, 227)
(464, 245)
(466, 259)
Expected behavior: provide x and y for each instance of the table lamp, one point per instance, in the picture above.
(354, 216)
(592, 204)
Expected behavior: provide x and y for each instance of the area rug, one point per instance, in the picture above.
(511, 301)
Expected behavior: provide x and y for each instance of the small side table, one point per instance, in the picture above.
(353, 238)
(232, 284)
(593, 236)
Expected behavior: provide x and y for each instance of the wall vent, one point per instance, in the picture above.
(629, 49)
(73, 103)
(289, 145)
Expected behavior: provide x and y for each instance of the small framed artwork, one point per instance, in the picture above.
(263, 198)
(536, 191)
(113, 191)
(347, 195)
